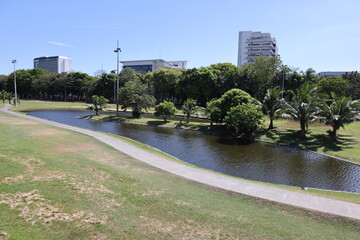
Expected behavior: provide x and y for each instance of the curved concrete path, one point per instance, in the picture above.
(321, 204)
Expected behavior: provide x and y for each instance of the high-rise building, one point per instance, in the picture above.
(55, 64)
(144, 66)
(254, 44)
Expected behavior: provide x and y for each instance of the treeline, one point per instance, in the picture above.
(177, 85)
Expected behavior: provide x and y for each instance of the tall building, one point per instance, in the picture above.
(329, 74)
(144, 66)
(55, 64)
(254, 44)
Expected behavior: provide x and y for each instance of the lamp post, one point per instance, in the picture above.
(14, 62)
(283, 80)
(117, 50)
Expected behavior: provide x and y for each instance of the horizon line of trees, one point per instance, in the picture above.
(177, 85)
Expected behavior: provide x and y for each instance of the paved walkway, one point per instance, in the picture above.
(321, 204)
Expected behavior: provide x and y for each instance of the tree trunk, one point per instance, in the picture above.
(271, 126)
(334, 133)
(303, 130)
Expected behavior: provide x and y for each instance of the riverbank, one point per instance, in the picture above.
(98, 192)
(318, 140)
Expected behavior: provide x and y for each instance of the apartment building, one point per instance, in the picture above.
(254, 44)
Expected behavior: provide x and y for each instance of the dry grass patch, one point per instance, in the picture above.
(77, 147)
(36, 209)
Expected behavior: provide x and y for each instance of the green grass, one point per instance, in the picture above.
(127, 199)
(34, 105)
(318, 139)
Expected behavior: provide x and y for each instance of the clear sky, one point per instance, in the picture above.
(321, 34)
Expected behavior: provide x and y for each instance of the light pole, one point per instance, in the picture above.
(283, 80)
(117, 50)
(14, 62)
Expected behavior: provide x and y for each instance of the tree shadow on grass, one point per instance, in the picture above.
(156, 123)
(312, 142)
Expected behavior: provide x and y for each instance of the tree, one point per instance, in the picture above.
(104, 86)
(341, 111)
(231, 99)
(303, 105)
(272, 104)
(354, 82)
(3, 95)
(198, 84)
(213, 111)
(165, 81)
(165, 110)
(9, 97)
(98, 103)
(261, 75)
(189, 107)
(244, 119)
(334, 84)
(136, 95)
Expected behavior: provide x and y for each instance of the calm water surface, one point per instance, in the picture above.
(257, 161)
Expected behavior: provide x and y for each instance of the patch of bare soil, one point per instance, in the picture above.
(189, 230)
(3, 235)
(12, 179)
(30, 163)
(35, 209)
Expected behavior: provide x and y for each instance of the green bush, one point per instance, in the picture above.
(165, 110)
(244, 119)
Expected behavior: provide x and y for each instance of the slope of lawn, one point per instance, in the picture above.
(56, 184)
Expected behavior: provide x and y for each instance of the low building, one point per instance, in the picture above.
(144, 66)
(329, 74)
(54, 64)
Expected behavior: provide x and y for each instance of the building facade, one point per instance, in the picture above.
(144, 66)
(329, 74)
(254, 44)
(55, 64)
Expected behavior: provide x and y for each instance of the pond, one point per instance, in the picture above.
(257, 161)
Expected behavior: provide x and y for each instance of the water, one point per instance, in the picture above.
(257, 161)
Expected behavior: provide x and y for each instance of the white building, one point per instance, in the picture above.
(55, 64)
(329, 74)
(144, 66)
(254, 44)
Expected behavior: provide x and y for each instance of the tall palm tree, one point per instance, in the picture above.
(303, 105)
(341, 111)
(272, 104)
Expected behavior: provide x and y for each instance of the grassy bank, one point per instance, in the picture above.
(318, 140)
(56, 184)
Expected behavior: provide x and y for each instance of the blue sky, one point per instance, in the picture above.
(320, 34)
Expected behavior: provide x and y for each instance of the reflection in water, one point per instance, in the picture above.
(257, 161)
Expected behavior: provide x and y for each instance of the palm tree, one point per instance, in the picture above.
(304, 105)
(189, 107)
(272, 104)
(341, 111)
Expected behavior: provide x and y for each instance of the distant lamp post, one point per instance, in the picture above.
(283, 80)
(14, 62)
(117, 50)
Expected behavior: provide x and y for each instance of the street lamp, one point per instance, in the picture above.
(14, 62)
(117, 50)
(283, 80)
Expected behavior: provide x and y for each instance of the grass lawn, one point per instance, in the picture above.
(35, 104)
(56, 184)
(318, 140)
